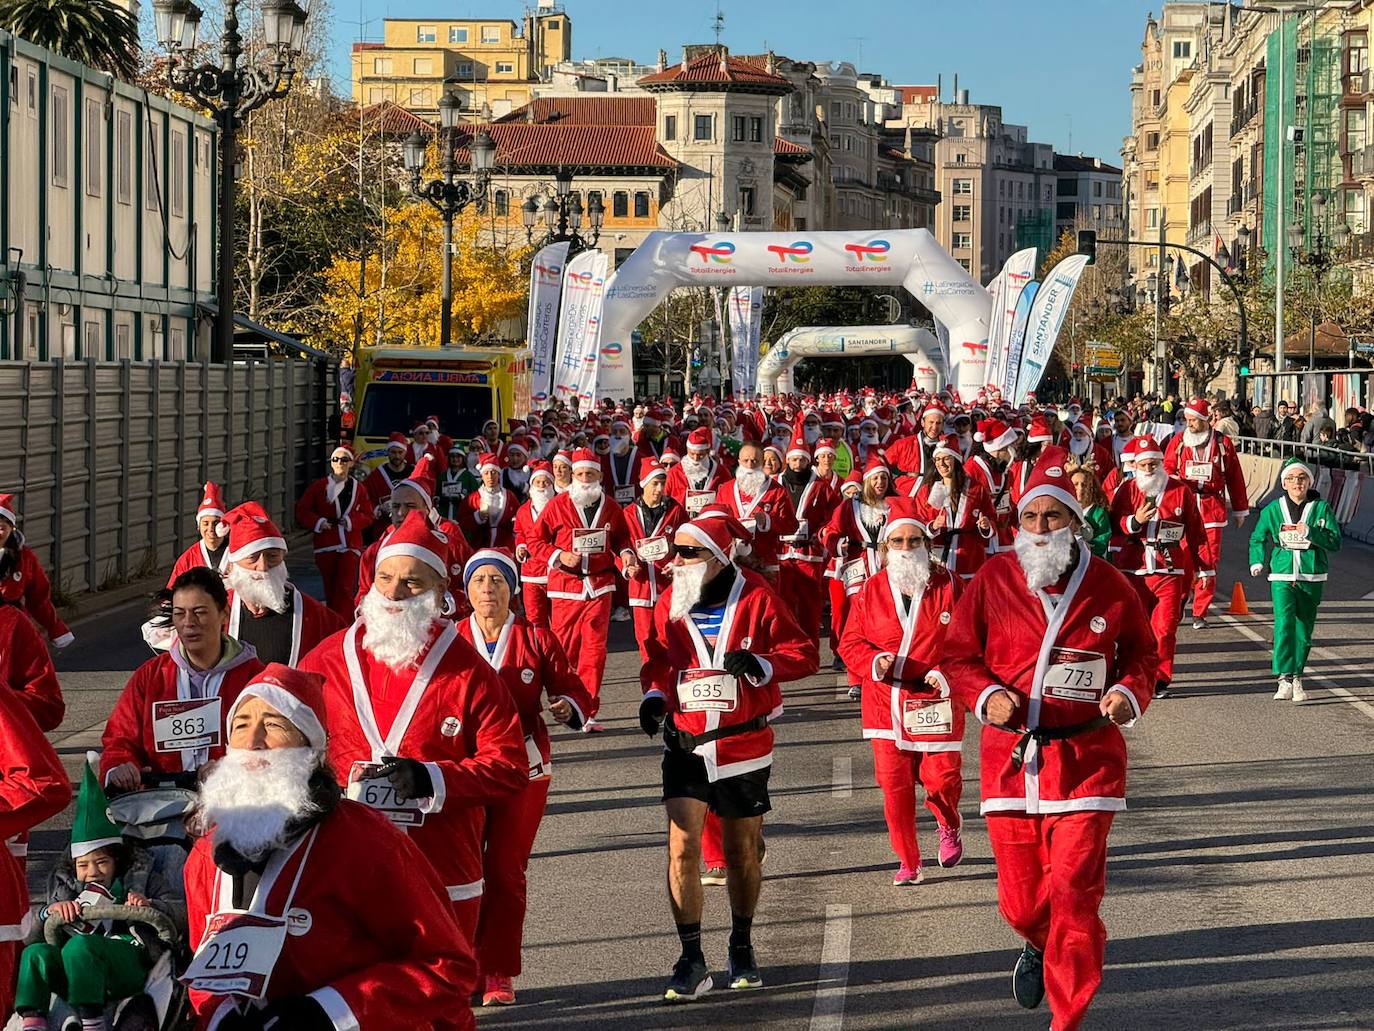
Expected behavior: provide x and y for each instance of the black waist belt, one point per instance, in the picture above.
(1044, 735)
(688, 742)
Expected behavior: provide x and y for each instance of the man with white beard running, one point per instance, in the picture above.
(534, 575)
(693, 482)
(1049, 647)
(420, 726)
(331, 917)
(763, 507)
(721, 645)
(266, 610)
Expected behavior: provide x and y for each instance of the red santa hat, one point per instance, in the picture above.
(775, 449)
(562, 457)
(901, 511)
(585, 458)
(296, 694)
(875, 465)
(649, 468)
(949, 447)
(420, 427)
(539, 467)
(250, 530)
(1050, 479)
(670, 457)
(699, 439)
(1143, 446)
(397, 440)
(799, 447)
(432, 420)
(995, 435)
(490, 460)
(716, 529)
(520, 444)
(211, 503)
(341, 449)
(934, 406)
(416, 538)
(1198, 408)
(1039, 432)
(422, 479)
(852, 480)
(9, 509)
(825, 446)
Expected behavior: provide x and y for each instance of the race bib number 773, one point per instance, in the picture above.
(1075, 675)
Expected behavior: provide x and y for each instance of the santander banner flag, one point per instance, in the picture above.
(1045, 320)
(1016, 274)
(546, 284)
(579, 326)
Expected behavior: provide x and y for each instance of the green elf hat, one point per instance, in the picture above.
(92, 827)
(1293, 464)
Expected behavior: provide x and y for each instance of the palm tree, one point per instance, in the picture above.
(94, 32)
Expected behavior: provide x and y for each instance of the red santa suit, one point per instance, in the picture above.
(1212, 472)
(494, 528)
(337, 513)
(854, 544)
(580, 597)
(531, 665)
(1057, 653)
(619, 476)
(25, 585)
(211, 506)
(803, 558)
(34, 788)
(956, 541)
(768, 516)
(380, 482)
(915, 729)
(1159, 556)
(652, 545)
(311, 623)
(534, 575)
(368, 938)
(26, 667)
(912, 456)
(695, 491)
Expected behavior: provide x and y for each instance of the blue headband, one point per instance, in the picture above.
(492, 557)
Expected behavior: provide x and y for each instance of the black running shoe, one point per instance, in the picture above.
(743, 972)
(1028, 977)
(690, 980)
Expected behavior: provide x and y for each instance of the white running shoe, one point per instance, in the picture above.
(1299, 695)
(1285, 691)
(620, 615)
(593, 727)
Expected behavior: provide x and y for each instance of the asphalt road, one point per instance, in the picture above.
(1240, 882)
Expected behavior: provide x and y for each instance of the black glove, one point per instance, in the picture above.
(409, 778)
(743, 664)
(651, 711)
(296, 1013)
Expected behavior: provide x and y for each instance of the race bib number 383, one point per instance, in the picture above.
(1075, 675)
(194, 723)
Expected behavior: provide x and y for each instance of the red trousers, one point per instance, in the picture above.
(897, 773)
(1051, 876)
(466, 912)
(644, 622)
(508, 840)
(838, 605)
(339, 570)
(1163, 598)
(581, 628)
(536, 604)
(713, 844)
(1205, 586)
(800, 585)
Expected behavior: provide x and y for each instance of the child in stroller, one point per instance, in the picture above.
(102, 960)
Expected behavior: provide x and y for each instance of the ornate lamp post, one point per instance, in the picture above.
(1322, 255)
(563, 215)
(230, 89)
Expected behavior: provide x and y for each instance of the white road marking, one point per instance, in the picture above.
(1324, 653)
(832, 979)
(842, 777)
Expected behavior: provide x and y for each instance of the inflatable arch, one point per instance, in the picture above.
(918, 344)
(895, 257)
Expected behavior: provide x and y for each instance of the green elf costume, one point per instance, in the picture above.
(99, 963)
(1302, 529)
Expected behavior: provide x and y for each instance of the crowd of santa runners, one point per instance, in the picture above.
(372, 766)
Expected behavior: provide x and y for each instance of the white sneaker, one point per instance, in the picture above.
(593, 727)
(1285, 691)
(1299, 695)
(620, 615)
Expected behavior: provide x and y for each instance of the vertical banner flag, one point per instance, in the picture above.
(546, 284)
(1046, 318)
(997, 290)
(755, 337)
(579, 327)
(942, 338)
(746, 323)
(1016, 274)
(1016, 338)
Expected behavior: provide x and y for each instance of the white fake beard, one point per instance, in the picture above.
(1044, 557)
(1196, 439)
(873, 516)
(1080, 446)
(868, 438)
(260, 590)
(811, 434)
(939, 494)
(396, 638)
(1152, 484)
(433, 436)
(519, 477)
(750, 481)
(694, 466)
(548, 447)
(688, 583)
(909, 570)
(541, 496)
(250, 796)
(585, 495)
(471, 460)
(620, 445)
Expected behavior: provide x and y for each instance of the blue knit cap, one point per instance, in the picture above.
(504, 563)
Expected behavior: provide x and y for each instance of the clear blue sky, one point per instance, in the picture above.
(1060, 66)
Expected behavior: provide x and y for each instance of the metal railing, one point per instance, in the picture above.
(1318, 454)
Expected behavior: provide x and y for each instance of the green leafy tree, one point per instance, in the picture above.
(93, 32)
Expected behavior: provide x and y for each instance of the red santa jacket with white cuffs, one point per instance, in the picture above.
(1057, 655)
(130, 736)
(311, 623)
(900, 706)
(554, 534)
(1212, 472)
(850, 541)
(997, 483)
(195, 556)
(452, 713)
(653, 547)
(680, 486)
(811, 512)
(756, 620)
(532, 664)
(1170, 544)
(26, 667)
(620, 476)
(532, 571)
(963, 553)
(458, 553)
(337, 523)
(370, 938)
(28, 588)
(769, 516)
(380, 482)
(495, 529)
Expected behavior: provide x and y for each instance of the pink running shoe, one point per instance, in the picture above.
(499, 991)
(951, 847)
(907, 877)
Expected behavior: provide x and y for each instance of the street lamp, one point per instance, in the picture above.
(1322, 255)
(449, 195)
(563, 214)
(230, 90)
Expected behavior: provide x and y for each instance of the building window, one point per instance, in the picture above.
(60, 144)
(178, 336)
(965, 264)
(502, 202)
(1097, 212)
(33, 91)
(1354, 130)
(421, 98)
(152, 199)
(1151, 218)
(553, 24)
(464, 70)
(1154, 98)
(963, 187)
(670, 127)
(95, 120)
(91, 340)
(836, 110)
(642, 204)
(424, 66)
(755, 130)
(1183, 49)
(381, 66)
(1097, 189)
(491, 34)
(176, 173)
(963, 241)
(124, 157)
(457, 34)
(1068, 187)
(746, 200)
(505, 68)
(701, 127)
(963, 212)
(375, 94)
(620, 204)
(425, 34)
(14, 85)
(123, 346)
(835, 140)
(737, 129)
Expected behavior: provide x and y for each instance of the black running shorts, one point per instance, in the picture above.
(732, 798)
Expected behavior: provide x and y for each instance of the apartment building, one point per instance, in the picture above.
(1087, 196)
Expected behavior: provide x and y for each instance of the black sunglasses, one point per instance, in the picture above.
(690, 550)
(342, 461)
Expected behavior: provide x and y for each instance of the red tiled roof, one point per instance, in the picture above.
(708, 68)
(520, 145)
(917, 94)
(588, 110)
(391, 119)
(786, 148)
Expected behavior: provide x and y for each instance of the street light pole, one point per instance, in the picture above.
(230, 90)
(1319, 259)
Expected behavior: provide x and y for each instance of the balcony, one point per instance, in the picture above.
(1243, 116)
(1236, 202)
(1355, 84)
(1362, 245)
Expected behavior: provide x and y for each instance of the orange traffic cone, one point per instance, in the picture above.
(1238, 605)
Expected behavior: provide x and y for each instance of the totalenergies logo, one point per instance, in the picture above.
(715, 253)
(548, 274)
(975, 349)
(874, 250)
(585, 280)
(798, 252)
(611, 350)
